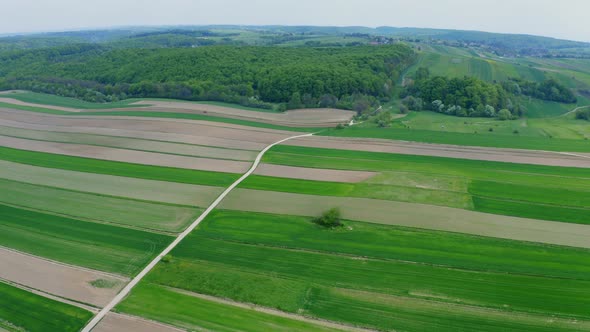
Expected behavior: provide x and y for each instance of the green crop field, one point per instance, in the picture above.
(156, 302)
(99, 208)
(290, 264)
(21, 310)
(97, 246)
(317, 239)
(519, 190)
(117, 168)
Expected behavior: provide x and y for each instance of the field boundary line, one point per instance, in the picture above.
(127, 289)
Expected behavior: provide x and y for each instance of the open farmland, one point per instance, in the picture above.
(297, 268)
(22, 310)
(294, 178)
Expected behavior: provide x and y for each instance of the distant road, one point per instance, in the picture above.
(125, 291)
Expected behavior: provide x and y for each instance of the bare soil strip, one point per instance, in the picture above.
(412, 215)
(325, 117)
(149, 190)
(316, 174)
(124, 323)
(130, 143)
(166, 125)
(22, 103)
(58, 279)
(440, 150)
(130, 156)
(154, 136)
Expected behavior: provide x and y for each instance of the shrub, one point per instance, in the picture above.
(329, 219)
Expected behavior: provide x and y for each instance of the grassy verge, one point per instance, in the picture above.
(117, 168)
(24, 311)
(97, 246)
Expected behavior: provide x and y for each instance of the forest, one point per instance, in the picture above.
(472, 97)
(345, 77)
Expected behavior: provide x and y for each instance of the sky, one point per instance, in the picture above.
(567, 19)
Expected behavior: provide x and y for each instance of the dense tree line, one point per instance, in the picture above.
(470, 96)
(253, 76)
(583, 114)
(550, 90)
(467, 96)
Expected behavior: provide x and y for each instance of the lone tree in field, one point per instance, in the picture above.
(329, 219)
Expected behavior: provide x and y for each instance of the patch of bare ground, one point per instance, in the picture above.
(130, 156)
(22, 103)
(114, 322)
(320, 117)
(155, 136)
(176, 126)
(148, 190)
(130, 143)
(451, 151)
(78, 284)
(412, 215)
(316, 174)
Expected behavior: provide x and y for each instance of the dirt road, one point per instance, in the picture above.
(179, 238)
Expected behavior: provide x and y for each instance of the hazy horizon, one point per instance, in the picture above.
(563, 20)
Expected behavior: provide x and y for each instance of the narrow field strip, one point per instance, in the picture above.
(169, 137)
(130, 156)
(111, 185)
(173, 126)
(83, 285)
(312, 173)
(129, 144)
(97, 208)
(107, 167)
(449, 151)
(412, 215)
(178, 239)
